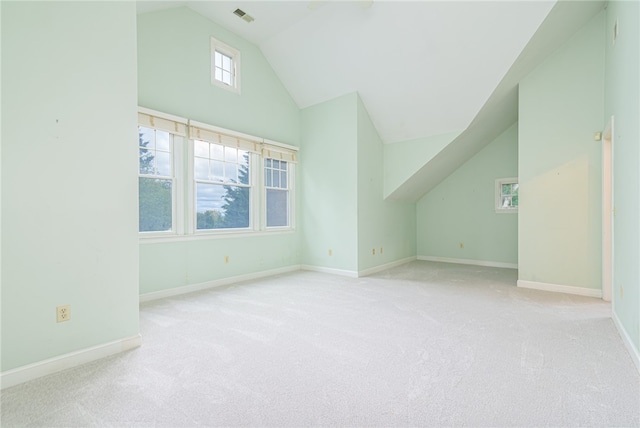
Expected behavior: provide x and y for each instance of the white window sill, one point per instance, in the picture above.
(507, 211)
(198, 236)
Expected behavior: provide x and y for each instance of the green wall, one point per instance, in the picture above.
(622, 101)
(329, 196)
(386, 225)
(461, 209)
(69, 177)
(402, 160)
(343, 206)
(174, 77)
(560, 108)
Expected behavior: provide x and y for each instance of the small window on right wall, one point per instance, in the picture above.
(507, 195)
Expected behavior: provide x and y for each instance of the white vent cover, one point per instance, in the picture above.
(242, 14)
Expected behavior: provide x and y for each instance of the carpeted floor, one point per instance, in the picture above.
(425, 344)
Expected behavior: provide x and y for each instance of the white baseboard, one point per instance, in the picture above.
(146, 297)
(53, 365)
(341, 272)
(558, 288)
(469, 262)
(626, 339)
(385, 266)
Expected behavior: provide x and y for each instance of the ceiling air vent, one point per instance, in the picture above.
(242, 14)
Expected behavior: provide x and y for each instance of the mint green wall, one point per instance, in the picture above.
(69, 183)
(174, 62)
(560, 108)
(461, 209)
(174, 77)
(622, 101)
(389, 225)
(403, 159)
(174, 264)
(328, 164)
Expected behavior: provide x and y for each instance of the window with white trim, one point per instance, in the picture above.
(230, 191)
(506, 195)
(223, 186)
(276, 185)
(225, 66)
(158, 171)
(236, 183)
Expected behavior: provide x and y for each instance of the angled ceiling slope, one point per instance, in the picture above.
(501, 110)
(422, 68)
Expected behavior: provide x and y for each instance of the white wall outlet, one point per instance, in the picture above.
(63, 313)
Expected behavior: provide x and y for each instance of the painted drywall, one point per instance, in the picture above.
(622, 97)
(69, 177)
(560, 108)
(328, 159)
(386, 229)
(174, 77)
(403, 159)
(461, 209)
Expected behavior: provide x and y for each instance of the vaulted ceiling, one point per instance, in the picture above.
(422, 68)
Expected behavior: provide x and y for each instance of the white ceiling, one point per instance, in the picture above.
(422, 68)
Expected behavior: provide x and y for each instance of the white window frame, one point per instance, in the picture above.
(291, 172)
(498, 195)
(184, 215)
(165, 122)
(253, 198)
(234, 54)
(255, 184)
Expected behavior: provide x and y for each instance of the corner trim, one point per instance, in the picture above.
(385, 266)
(66, 361)
(626, 339)
(176, 291)
(469, 262)
(341, 272)
(558, 288)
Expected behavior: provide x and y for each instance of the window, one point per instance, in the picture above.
(223, 186)
(157, 179)
(276, 184)
(236, 183)
(225, 66)
(507, 195)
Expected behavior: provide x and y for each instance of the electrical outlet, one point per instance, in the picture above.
(63, 313)
(330, 252)
(462, 245)
(226, 259)
(380, 250)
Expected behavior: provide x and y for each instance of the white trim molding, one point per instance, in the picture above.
(176, 291)
(626, 339)
(385, 266)
(341, 272)
(469, 262)
(62, 362)
(559, 288)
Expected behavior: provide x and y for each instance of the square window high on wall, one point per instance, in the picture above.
(507, 197)
(225, 66)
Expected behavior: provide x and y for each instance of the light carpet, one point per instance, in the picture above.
(424, 344)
